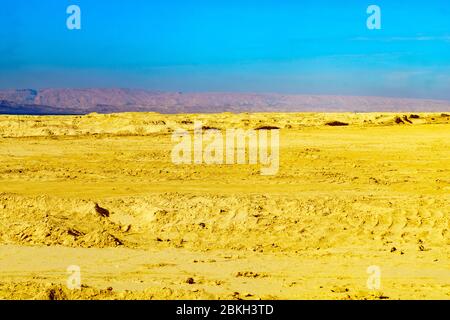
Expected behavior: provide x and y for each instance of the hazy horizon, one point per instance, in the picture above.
(83, 101)
(219, 92)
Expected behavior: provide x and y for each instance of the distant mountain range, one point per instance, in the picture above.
(83, 101)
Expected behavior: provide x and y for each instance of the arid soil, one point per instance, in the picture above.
(100, 192)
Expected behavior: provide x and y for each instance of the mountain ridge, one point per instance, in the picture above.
(83, 101)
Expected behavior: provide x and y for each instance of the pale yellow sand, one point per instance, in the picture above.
(345, 198)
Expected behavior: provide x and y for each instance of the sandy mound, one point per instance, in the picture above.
(271, 224)
(144, 124)
(48, 221)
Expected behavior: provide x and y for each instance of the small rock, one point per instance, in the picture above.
(126, 228)
(101, 211)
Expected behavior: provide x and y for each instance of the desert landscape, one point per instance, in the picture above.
(100, 191)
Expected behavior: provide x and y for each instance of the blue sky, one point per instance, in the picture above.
(311, 47)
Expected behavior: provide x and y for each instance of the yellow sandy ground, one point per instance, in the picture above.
(374, 192)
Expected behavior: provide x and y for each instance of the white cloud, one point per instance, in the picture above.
(415, 38)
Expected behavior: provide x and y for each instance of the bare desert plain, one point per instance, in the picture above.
(353, 191)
